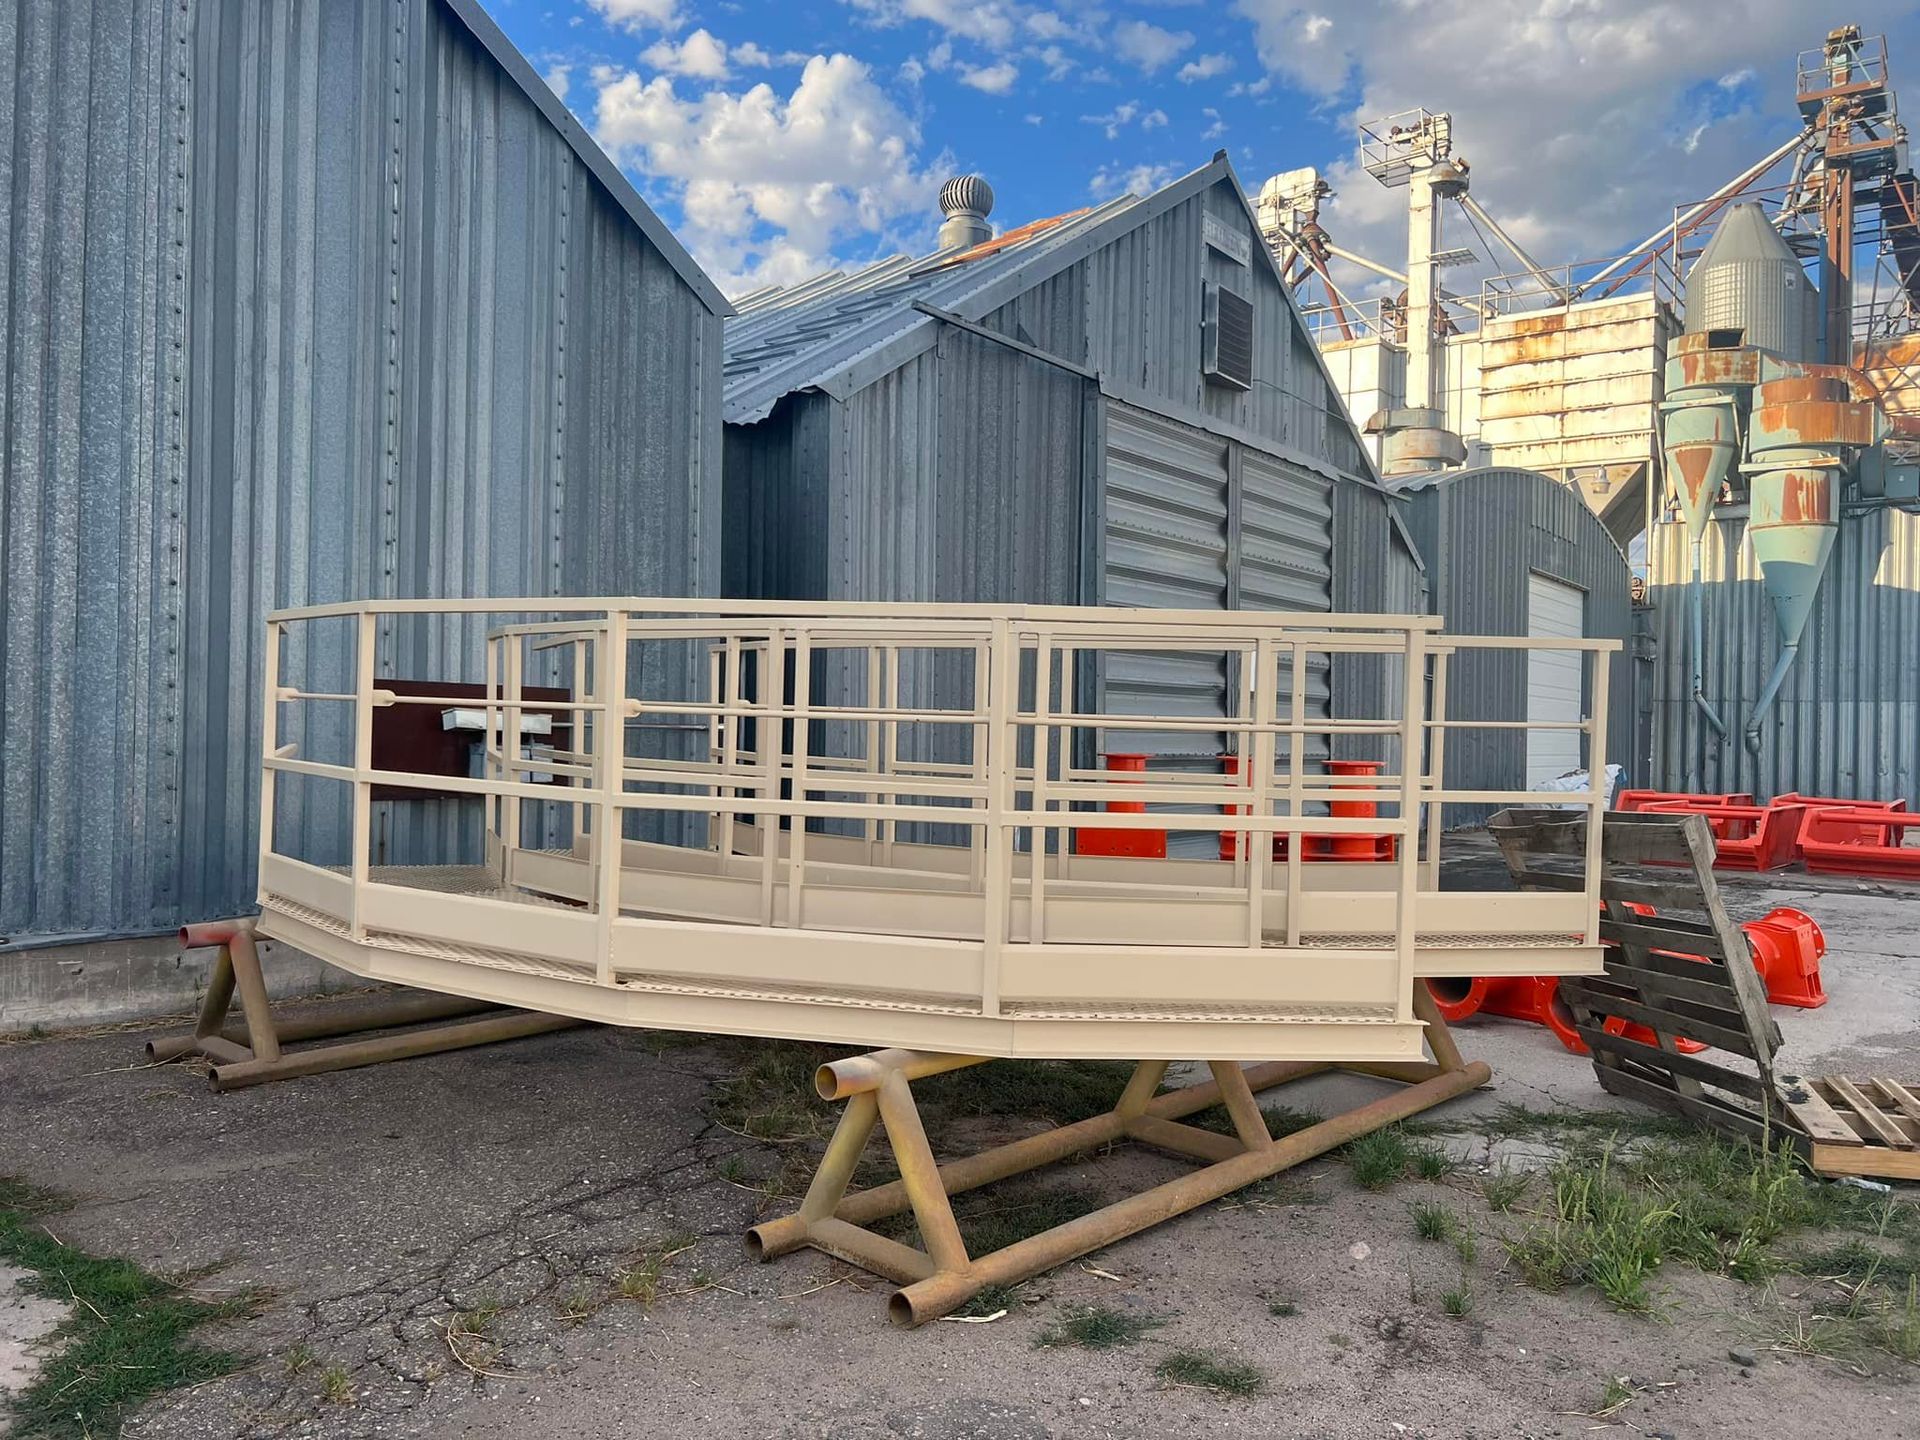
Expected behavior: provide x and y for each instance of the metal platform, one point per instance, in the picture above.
(858, 824)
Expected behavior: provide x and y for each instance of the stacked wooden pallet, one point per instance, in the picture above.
(1685, 972)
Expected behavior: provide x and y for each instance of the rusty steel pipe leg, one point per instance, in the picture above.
(830, 1181)
(348, 1056)
(920, 1174)
(941, 1293)
(837, 1079)
(1142, 1086)
(262, 1038)
(218, 1000)
(1242, 1108)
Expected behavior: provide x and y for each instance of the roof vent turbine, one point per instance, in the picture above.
(966, 201)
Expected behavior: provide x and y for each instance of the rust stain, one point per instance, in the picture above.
(1718, 367)
(1695, 463)
(1812, 422)
(1806, 498)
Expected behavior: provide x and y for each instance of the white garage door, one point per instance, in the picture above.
(1553, 677)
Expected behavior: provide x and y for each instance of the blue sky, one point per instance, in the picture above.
(782, 139)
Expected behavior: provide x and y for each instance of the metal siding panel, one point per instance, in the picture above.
(301, 302)
(1374, 573)
(1482, 533)
(1847, 721)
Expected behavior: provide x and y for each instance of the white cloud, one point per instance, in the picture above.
(1205, 67)
(1109, 181)
(748, 53)
(991, 22)
(1216, 128)
(1582, 145)
(640, 14)
(699, 55)
(1735, 79)
(558, 78)
(995, 79)
(1153, 119)
(1033, 119)
(1116, 119)
(768, 183)
(1149, 46)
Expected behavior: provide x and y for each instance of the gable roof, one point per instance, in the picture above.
(803, 336)
(495, 42)
(838, 331)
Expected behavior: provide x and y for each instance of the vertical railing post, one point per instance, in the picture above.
(1296, 790)
(1002, 669)
(1412, 732)
(269, 742)
(360, 853)
(1257, 762)
(1042, 794)
(513, 668)
(728, 694)
(802, 752)
(610, 738)
(1437, 773)
(1596, 790)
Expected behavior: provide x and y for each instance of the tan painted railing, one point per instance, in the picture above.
(864, 823)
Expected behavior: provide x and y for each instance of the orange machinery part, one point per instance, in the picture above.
(1535, 998)
(1323, 847)
(1125, 844)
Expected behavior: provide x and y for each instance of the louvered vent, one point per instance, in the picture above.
(1227, 351)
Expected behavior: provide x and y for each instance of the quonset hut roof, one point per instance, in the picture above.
(840, 331)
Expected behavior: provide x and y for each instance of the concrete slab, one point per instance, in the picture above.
(500, 1191)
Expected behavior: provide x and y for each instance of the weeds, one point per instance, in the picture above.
(1379, 1158)
(1504, 1188)
(1195, 1369)
(1458, 1301)
(1466, 1246)
(640, 1281)
(298, 1358)
(1430, 1162)
(127, 1338)
(1094, 1327)
(990, 1301)
(1283, 1309)
(1432, 1221)
(336, 1386)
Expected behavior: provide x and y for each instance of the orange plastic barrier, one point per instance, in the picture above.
(1126, 844)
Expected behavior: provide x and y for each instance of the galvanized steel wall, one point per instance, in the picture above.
(1481, 534)
(1132, 311)
(1378, 573)
(300, 302)
(1847, 721)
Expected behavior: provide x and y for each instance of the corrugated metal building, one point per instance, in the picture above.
(1032, 419)
(1847, 721)
(1513, 552)
(300, 302)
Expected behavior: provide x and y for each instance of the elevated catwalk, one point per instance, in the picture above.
(867, 824)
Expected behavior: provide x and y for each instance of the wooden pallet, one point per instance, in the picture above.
(1866, 1127)
(1721, 1003)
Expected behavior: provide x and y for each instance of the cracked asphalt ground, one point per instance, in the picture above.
(499, 1194)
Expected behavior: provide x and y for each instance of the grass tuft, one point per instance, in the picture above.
(336, 1386)
(1379, 1158)
(1095, 1327)
(1198, 1370)
(1432, 1221)
(1430, 1162)
(1283, 1309)
(1504, 1188)
(1458, 1301)
(127, 1338)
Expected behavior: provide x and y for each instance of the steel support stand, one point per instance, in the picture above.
(942, 1277)
(253, 1052)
